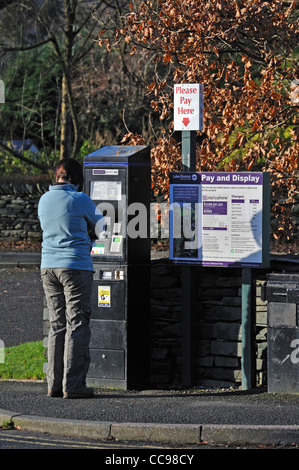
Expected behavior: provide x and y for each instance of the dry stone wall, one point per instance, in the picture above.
(217, 325)
(18, 211)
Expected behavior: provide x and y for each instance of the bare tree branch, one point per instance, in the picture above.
(24, 159)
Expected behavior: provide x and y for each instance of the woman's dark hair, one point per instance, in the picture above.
(70, 170)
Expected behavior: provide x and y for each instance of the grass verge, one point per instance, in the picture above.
(23, 362)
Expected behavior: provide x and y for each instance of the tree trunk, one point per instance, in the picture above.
(69, 142)
(66, 131)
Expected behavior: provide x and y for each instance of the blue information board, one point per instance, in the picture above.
(220, 219)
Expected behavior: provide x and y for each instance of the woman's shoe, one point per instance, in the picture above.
(83, 393)
(55, 393)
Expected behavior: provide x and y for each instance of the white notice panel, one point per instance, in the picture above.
(188, 107)
(232, 210)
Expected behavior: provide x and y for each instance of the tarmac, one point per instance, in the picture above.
(176, 417)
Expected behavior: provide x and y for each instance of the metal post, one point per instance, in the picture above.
(247, 363)
(188, 150)
(188, 327)
(188, 284)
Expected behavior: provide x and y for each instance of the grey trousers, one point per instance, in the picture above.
(68, 296)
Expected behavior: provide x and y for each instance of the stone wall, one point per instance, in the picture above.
(217, 323)
(18, 211)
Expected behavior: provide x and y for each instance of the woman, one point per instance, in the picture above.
(66, 217)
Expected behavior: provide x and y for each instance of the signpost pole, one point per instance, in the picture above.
(247, 369)
(188, 281)
(188, 150)
(188, 118)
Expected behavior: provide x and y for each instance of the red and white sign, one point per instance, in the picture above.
(188, 107)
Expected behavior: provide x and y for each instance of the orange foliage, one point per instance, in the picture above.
(243, 54)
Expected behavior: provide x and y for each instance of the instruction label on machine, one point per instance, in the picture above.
(219, 219)
(105, 190)
(104, 296)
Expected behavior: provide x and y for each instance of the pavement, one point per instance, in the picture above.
(176, 417)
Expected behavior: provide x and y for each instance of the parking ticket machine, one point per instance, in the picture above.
(118, 180)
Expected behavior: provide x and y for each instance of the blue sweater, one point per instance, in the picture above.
(64, 216)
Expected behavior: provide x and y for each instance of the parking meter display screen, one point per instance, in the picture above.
(98, 248)
(105, 190)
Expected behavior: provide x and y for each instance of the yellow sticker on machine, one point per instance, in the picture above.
(104, 296)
